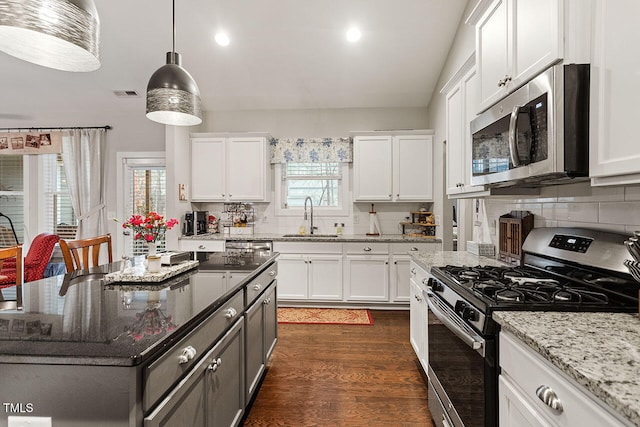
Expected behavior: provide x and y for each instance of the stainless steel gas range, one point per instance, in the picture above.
(565, 269)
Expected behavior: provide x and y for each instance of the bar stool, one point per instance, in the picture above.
(76, 252)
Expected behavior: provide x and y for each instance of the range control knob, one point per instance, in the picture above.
(436, 286)
(469, 313)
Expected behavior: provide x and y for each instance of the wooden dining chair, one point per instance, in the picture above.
(14, 253)
(78, 253)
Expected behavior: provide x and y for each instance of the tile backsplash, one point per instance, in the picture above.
(574, 205)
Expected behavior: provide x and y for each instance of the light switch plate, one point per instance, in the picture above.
(15, 421)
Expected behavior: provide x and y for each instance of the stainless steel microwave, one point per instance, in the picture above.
(537, 135)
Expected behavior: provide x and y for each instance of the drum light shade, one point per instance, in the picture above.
(173, 97)
(60, 34)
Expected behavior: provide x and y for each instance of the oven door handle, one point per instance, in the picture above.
(513, 137)
(445, 315)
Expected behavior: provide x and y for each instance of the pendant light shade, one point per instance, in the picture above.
(60, 34)
(173, 97)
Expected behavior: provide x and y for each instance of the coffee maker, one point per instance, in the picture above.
(188, 228)
(202, 218)
(195, 222)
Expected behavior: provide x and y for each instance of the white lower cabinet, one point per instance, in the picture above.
(525, 375)
(419, 312)
(366, 271)
(303, 275)
(340, 273)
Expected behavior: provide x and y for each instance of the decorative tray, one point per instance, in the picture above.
(139, 273)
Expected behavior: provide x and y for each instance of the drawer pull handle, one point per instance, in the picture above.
(267, 301)
(257, 287)
(425, 282)
(367, 249)
(202, 247)
(272, 273)
(414, 249)
(230, 313)
(549, 397)
(188, 353)
(215, 363)
(413, 270)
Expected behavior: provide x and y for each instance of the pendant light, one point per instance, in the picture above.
(173, 97)
(60, 34)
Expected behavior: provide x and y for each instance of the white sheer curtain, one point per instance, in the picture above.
(83, 155)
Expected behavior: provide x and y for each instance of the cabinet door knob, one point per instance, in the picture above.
(549, 397)
(230, 313)
(367, 249)
(187, 354)
(215, 363)
(413, 270)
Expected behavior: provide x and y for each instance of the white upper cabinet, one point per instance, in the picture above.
(462, 99)
(229, 168)
(413, 167)
(615, 90)
(393, 167)
(372, 168)
(516, 40)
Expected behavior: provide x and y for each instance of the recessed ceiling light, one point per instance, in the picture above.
(353, 35)
(222, 39)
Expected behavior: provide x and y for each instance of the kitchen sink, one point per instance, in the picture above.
(310, 235)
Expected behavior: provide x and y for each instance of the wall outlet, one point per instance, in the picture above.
(438, 222)
(356, 219)
(265, 219)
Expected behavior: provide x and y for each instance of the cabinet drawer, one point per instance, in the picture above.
(201, 245)
(405, 248)
(419, 275)
(364, 248)
(260, 283)
(528, 371)
(164, 372)
(307, 247)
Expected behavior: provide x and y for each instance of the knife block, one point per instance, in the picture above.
(513, 230)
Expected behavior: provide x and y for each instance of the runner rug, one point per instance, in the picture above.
(328, 316)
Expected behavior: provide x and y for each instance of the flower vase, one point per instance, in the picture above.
(151, 248)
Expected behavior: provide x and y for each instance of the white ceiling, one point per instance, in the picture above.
(284, 54)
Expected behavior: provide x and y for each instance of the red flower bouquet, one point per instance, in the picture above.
(150, 228)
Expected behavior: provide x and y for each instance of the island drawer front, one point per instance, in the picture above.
(528, 370)
(160, 375)
(364, 248)
(260, 283)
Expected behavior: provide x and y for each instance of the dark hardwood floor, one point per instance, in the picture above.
(335, 375)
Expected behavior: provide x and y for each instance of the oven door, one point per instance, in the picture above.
(462, 370)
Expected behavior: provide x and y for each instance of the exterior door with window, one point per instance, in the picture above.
(144, 185)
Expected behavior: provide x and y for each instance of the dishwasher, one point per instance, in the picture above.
(238, 253)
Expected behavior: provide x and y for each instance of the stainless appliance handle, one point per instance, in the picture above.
(451, 320)
(513, 136)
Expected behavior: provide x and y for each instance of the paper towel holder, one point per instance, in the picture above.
(374, 224)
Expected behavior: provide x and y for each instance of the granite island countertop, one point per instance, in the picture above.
(601, 351)
(342, 238)
(113, 324)
(441, 258)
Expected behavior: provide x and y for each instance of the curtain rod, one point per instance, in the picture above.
(107, 127)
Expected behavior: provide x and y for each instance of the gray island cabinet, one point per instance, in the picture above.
(86, 353)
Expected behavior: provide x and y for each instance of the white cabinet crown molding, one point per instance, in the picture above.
(459, 74)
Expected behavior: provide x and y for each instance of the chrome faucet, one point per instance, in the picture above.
(311, 228)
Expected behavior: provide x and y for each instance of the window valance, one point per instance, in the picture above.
(311, 150)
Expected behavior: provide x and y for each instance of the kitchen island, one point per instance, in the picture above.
(83, 352)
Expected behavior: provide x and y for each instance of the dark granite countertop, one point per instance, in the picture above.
(88, 323)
